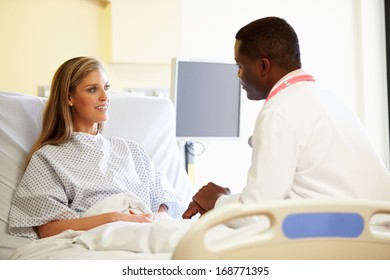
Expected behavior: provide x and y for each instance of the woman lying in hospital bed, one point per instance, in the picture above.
(71, 166)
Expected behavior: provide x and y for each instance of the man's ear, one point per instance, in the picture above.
(264, 65)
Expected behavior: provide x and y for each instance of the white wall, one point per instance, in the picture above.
(39, 35)
(342, 45)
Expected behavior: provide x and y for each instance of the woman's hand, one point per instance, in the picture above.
(132, 216)
(148, 217)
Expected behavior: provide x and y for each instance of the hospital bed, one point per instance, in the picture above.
(150, 122)
(145, 120)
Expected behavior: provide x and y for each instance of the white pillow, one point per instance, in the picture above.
(20, 124)
(20, 119)
(150, 121)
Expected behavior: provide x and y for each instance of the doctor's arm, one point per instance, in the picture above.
(204, 200)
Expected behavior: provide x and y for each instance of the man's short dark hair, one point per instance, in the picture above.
(273, 38)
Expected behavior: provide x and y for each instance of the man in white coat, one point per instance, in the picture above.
(306, 143)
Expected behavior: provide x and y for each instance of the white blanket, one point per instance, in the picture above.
(159, 237)
(125, 240)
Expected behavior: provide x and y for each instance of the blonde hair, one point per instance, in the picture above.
(57, 124)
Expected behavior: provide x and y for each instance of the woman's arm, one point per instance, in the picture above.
(163, 208)
(161, 214)
(86, 223)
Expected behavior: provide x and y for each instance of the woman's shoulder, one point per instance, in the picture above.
(56, 148)
(47, 148)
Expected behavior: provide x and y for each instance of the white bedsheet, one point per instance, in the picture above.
(125, 240)
(159, 237)
(110, 241)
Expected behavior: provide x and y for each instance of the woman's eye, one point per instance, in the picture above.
(106, 87)
(92, 89)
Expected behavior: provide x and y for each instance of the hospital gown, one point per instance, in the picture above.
(63, 181)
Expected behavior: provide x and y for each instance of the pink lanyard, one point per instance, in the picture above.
(293, 80)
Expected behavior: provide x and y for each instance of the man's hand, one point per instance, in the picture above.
(204, 200)
(192, 210)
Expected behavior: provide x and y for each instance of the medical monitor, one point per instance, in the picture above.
(207, 98)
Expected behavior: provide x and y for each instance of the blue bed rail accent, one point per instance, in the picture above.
(316, 225)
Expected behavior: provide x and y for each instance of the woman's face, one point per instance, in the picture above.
(89, 102)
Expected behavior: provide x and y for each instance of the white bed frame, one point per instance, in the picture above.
(303, 230)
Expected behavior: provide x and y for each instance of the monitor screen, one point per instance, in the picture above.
(207, 99)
